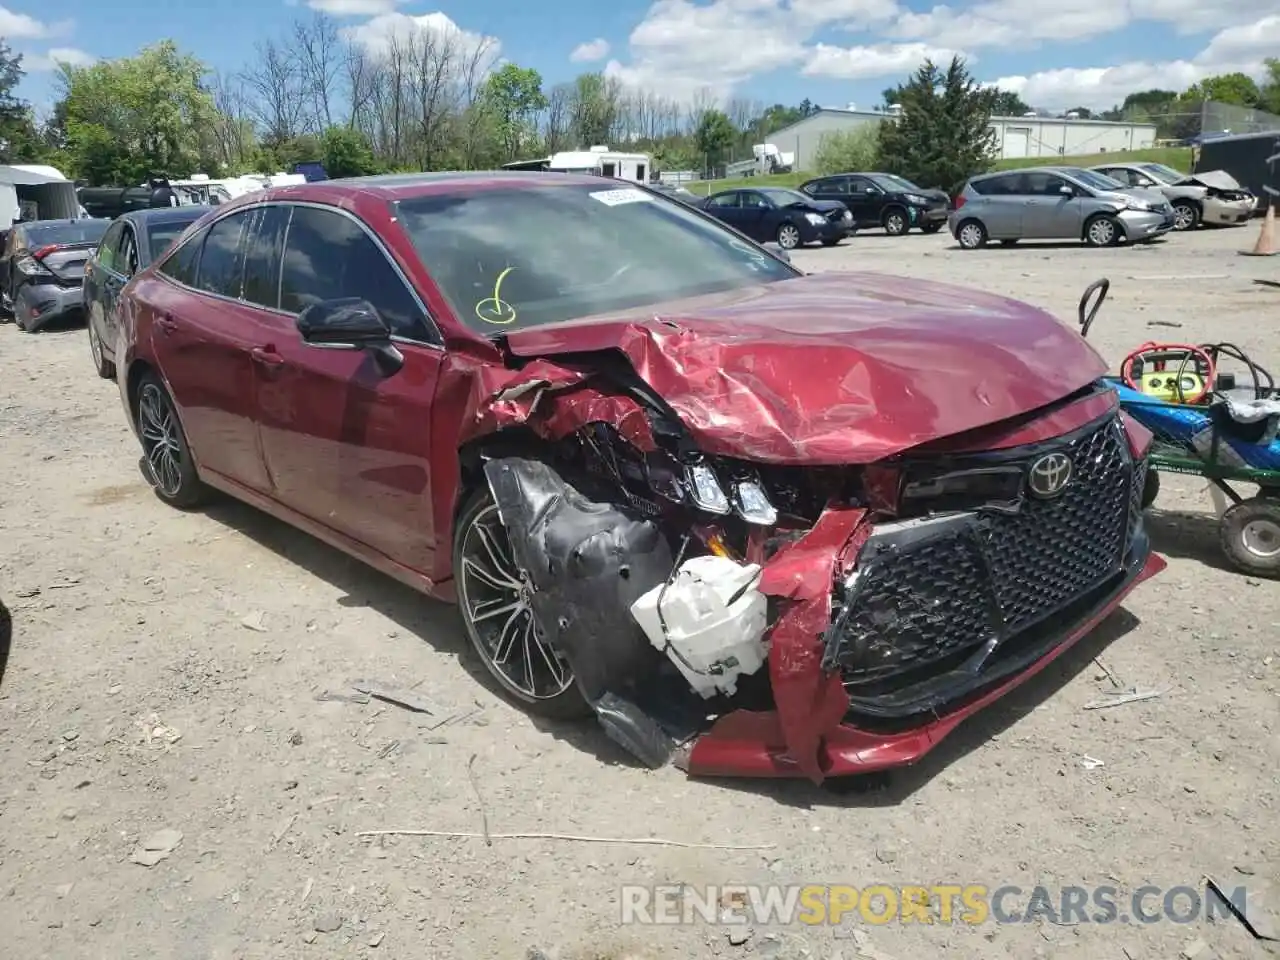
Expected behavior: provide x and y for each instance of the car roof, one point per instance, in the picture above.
(61, 222)
(188, 213)
(397, 186)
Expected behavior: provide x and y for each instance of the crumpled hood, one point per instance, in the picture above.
(1214, 179)
(837, 368)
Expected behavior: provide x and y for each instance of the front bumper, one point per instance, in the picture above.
(46, 302)
(832, 229)
(1227, 212)
(933, 642)
(921, 216)
(1143, 225)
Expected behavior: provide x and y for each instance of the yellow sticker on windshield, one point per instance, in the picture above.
(494, 309)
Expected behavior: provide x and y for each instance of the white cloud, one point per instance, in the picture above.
(52, 58)
(877, 60)
(999, 23)
(377, 33)
(21, 26)
(1239, 48)
(352, 8)
(591, 51)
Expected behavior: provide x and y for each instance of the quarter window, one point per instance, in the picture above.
(107, 255)
(262, 263)
(222, 260)
(327, 256)
(182, 263)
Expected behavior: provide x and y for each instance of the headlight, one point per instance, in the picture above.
(1133, 203)
(705, 489)
(816, 219)
(33, 267)
(752, 503)
(917, 200)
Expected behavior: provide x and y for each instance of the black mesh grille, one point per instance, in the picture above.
(931, 594)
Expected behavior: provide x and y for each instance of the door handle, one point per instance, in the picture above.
(267, 356)
(166, 324)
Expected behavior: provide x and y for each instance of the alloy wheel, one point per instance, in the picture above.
(1184, 217)
(495, 597)
(970, 236)
(895, 224)
(158, 429)
(788, 237)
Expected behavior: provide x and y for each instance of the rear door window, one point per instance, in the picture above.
(727, 201)
(222, 258)
(127, 254)
(328, 256)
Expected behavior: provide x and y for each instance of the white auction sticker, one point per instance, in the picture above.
(615, 198)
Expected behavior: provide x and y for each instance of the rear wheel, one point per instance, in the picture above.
(1103, 230)
(972, 235)
(788, 236)
(895, 222)
(106, 369)
(493, 599)
(166, 457)
(1250, 535)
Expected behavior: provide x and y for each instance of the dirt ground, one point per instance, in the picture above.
(166, 670)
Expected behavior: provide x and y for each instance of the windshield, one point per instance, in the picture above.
(508, 258)
(784, 198)
(81, 231)
(1163, 173)
(891, 183)
(1091, 178)
(160, 235)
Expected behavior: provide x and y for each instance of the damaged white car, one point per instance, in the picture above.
(1213, 197)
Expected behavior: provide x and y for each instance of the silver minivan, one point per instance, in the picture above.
(1056, 203)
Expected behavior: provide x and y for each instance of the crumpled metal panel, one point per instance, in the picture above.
(837, 368)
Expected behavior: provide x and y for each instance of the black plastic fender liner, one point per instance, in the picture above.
(587, 563)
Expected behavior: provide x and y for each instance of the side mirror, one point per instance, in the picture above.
(777, 251)
(350, 323)
(1066, 191)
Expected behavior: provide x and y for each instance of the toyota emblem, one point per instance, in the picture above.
(1049, 475)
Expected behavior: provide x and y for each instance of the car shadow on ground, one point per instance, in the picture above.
(431, 621)
(1191, 536)
(891, 789)
(69, 324)
(1025, 245)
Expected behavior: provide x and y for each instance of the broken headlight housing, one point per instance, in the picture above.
(746, 495)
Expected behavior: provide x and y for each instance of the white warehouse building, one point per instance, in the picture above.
(1015, 136)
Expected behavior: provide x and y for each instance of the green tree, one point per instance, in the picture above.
(137, 117)
(513, 98)
(346, 153)
(1009, 104)
(1269, 95)
(848, 151)
(594, 109)
(714, 136)
(943, 135)
(1238, 89)
(1084, 113)
(20, 141)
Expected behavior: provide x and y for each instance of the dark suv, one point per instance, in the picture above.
(883, 200)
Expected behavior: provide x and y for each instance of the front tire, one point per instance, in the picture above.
(1250, 535)
(1103, 230)
(788, 236)
(493, 603)
(166, 457)
(1186, 216)
(895, 222)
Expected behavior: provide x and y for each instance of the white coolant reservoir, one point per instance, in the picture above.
(715, 622)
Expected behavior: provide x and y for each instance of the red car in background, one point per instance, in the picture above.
(757, 522)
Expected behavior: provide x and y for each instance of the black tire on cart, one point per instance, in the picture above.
(1250, 535)
(1150, 489)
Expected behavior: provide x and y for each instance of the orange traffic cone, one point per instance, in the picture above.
(1266, 245)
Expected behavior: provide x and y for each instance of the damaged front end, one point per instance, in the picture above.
(760, 619)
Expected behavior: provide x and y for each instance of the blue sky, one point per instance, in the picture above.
(1056, 53)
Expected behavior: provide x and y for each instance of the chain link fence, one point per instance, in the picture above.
(1228, 118)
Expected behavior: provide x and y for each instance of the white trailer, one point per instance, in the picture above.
(35, 192)
(602, 162)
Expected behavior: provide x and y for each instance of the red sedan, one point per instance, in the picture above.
(756, 522)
